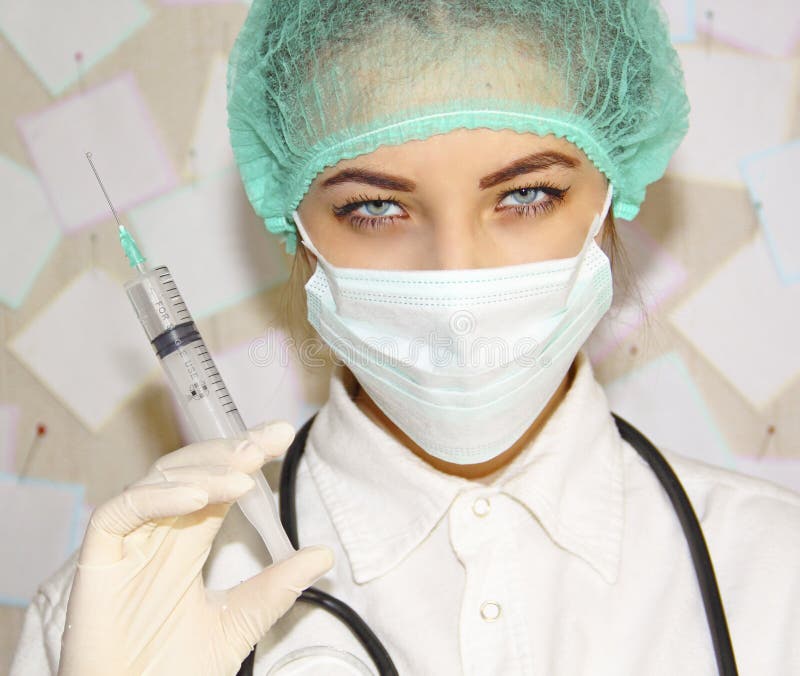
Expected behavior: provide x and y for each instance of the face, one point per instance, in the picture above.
(471, 198)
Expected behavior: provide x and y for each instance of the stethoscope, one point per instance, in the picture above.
(709, 589)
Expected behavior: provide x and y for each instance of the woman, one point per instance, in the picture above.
(451, 169)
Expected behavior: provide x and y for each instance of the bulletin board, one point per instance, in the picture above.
(706, 363)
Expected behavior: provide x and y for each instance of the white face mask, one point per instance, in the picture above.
(463, 361)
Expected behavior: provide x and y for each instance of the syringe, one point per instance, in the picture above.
(194, 378)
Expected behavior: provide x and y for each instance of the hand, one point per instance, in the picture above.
(138, 604)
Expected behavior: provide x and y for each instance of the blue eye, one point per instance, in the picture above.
(376, 215)
(527, 200)
(380, 207)
(528, 195)
(534, 199)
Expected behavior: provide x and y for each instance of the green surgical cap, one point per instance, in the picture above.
(311, 83)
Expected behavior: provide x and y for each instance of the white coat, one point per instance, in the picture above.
(569, 561)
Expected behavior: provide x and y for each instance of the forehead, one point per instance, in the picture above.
(459, 150)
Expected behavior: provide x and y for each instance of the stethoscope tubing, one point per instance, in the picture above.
(701, 559)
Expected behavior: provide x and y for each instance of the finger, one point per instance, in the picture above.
(261, 443)
(123, 514)
(252, 607)
(221, 483)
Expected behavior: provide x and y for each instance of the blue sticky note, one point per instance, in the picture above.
(771, 178)
(40, 527)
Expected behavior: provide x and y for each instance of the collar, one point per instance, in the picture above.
(569, 478)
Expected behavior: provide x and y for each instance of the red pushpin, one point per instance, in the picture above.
(41, 430)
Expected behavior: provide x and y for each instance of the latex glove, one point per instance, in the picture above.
(138, 604)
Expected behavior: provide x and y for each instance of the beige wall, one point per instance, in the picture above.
(700, 222)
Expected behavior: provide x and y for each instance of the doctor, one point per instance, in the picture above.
(451, 171)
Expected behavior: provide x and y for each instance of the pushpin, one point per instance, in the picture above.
(768, 438)
(41, 430)
(78, 64)
(709, 29)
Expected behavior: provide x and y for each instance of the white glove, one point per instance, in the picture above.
(138, 604)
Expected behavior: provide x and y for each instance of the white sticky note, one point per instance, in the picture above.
(783, 471)
(60, 40)
(215, 246)
(264, 382)
(661, 399)
(740, 104)
(30, 231)
(657, 276)
(9, 422)
(681, 16)
(39, 526)
(746, 323)
(771, 178)
(204, 2)
(88, 347)
(113, 123)
(210, 151)
(770, 27)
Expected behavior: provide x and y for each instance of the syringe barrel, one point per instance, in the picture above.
(200, 390)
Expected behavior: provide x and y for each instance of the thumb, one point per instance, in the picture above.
(253, 606)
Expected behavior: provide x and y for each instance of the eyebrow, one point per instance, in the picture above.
(524, 165)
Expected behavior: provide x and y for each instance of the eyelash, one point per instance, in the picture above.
(557, 195)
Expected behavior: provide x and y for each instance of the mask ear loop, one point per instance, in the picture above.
(306, 240)
(597, 223)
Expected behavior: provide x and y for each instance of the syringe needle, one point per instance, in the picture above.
(102, 187)
(132, 252)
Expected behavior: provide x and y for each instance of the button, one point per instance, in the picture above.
(481, 506)
(490, 611)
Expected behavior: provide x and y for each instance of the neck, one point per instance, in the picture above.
(472, 471)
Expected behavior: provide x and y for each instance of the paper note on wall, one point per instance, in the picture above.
(745, 322)
(59, 41)
(211, 147)
(662, 400)
(771, 178)
(264, 381)
(88, 348)
(681, 17)
(739, 105)
(215, 246)
(30, 231)
(657, 276)
(783, 471)
(40, 524)
(113, 123)
(769, 27)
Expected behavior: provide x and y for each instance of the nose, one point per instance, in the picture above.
(457, 243)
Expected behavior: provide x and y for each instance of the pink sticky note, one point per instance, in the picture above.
(112, 122)
(771, 27)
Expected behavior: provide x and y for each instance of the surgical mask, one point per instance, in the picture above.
(462, 361)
